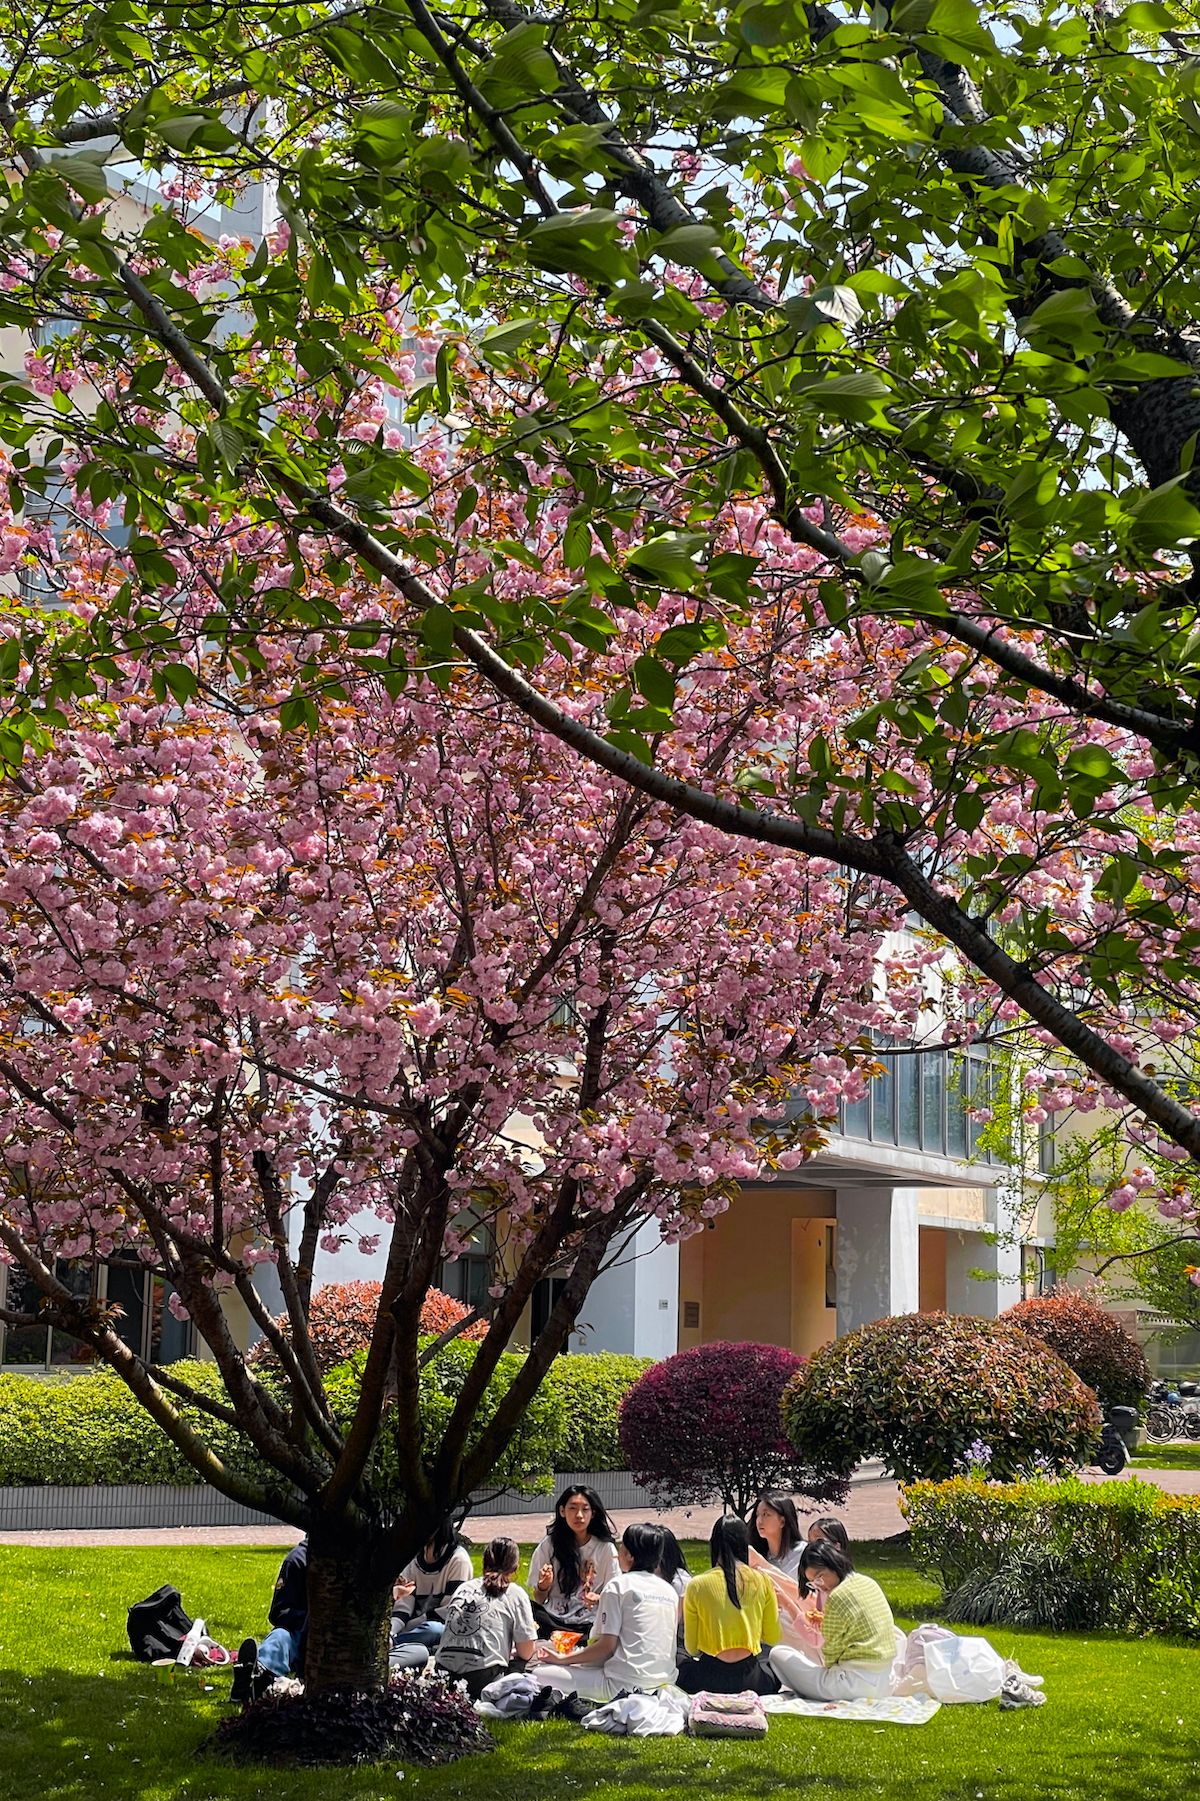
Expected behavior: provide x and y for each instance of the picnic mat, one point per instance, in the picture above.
(890, 1710)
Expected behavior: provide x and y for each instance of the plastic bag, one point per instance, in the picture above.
(963, 1669)
(799, 1620)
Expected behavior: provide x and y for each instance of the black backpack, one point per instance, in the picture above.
(158, 1625)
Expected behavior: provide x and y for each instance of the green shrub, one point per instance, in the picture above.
(529, 1462)
(591, 1386)
(91, 1430)
(1070, 1553)
(1090, 1341)
(927, 1392)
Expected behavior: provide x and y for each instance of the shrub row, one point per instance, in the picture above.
(1060, 1554)
(91, 1430)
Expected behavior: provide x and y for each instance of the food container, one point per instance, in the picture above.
(164, 1668)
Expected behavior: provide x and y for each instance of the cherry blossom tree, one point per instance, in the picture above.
(407, 973)
(957, 378)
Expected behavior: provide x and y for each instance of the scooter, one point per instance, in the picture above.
(1113, 1453)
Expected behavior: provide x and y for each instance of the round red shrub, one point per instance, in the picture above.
(707, 1422)
(1090, 1341)
(342, 1317)
(935, 1393)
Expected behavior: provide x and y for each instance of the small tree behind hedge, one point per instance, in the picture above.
(1089, 1340)
(925, 1391)
(343, 1316)
(707, 1422)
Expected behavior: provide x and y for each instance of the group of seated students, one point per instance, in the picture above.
(644, 1622)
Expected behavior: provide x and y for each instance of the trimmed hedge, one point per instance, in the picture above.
(706, 1421)
(592, 1386)
(1089, 1340)
(1123, 1555)
(341, 1320)
(928, 1391)
(90, 1430)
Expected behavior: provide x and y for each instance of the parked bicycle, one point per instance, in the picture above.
(1173, 1412)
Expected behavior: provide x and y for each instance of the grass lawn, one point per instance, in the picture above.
(1167, 1457)
(80, 1721)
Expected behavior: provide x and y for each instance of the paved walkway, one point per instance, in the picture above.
(871, 1511)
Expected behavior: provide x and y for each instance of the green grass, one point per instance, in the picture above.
(1167, 1457)
(80, 1721)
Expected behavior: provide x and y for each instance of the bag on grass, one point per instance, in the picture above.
(963, 1669)
(158, 1625)
(727, 1716)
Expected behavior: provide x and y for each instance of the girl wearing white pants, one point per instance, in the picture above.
(633, 1641)
(855, 1662)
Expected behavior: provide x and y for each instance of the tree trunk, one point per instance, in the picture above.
(350, 1580)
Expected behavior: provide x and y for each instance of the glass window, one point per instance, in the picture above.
(545, 1296)
(956, 1119)
(80, 1278)
(1047, 1150)
(883, 1104)
(25, 1347)
(856, 1118)
(933, 1097)
(908, 1099)
(127, 1290)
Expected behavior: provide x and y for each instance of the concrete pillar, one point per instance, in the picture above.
(878, 1256)
(997, 1286)
(634, 1307)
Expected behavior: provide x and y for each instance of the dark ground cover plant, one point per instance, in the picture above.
(919, 1391)
(706, 1422)
(420, 1721)
(1101, 1351)
(1121, 1555)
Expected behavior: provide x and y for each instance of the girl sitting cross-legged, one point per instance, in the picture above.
(859, 1648)
(570, 1567)
(633, 1641)
(727, 1613)
(489, 1622)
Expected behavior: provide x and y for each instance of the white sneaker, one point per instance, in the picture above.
(1013, 1668)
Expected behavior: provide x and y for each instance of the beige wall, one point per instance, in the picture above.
(759, 1272)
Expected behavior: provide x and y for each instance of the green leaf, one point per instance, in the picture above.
(669, 559)
(688, 244)
(85, 173)
(655, 681)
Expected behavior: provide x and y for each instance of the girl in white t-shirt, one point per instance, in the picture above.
(633, 1641)
(489, 1622)
(571, 1566)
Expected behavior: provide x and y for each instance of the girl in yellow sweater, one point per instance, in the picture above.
(727, 1613)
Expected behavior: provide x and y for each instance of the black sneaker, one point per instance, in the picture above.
(543, 1702)
(242, 1692)
(572, 1707)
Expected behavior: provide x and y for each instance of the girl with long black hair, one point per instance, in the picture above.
(727, 1613)
(776, 1534)
(571, 1566)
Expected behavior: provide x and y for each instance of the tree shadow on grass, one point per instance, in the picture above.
(118, 1734)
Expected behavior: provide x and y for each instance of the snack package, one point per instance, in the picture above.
(562, 1642)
